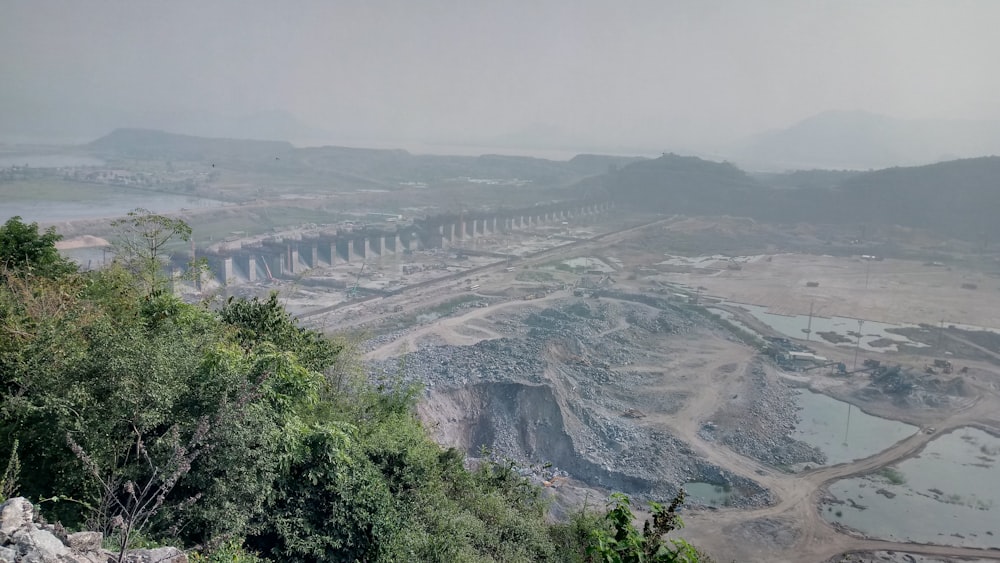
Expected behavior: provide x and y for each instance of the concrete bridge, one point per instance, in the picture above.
(290, 258)
(441, 231)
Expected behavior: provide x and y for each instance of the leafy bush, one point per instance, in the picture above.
(894, 476)
(237, 432)
(621, 542)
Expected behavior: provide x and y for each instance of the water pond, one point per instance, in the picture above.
(843, 432)
(709, 494)
(589, 264)
(118, 202)
(732, 319)
(48, 160)
(715, 260)
(841, 331)
(947, 494)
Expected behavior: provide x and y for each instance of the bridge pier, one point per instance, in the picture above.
(245, 265)
(273, 264)
(373, 246)
(309, 254)
(357, 250)
(391, 244)
(342, 250)
(292, 259)
(326, 253)
(410, 241)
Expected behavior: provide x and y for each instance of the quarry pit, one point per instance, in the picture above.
(592, 382)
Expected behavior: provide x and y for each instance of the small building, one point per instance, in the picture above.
(802, 359)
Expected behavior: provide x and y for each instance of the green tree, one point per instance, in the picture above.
(141, 240)
(24, 249)
(621, 542)
(167, 421)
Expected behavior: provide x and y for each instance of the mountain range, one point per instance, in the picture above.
(862, 141)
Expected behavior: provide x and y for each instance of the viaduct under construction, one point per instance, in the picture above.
(289, 258)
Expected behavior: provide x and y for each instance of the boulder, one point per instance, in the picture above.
(24, 541)
(35, 545)
(15, 514)
(86, 541)
(158, 555)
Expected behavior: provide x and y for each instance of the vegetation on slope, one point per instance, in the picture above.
(236, 431)
(955, 198)
(685, 183)
(333, 166)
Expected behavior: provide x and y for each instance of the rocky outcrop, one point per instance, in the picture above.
(24, 540)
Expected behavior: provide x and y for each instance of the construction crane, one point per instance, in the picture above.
(267, 268)
(354, 290)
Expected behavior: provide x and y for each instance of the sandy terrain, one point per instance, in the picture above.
(84, 241)
(898, 291)
(708, 371)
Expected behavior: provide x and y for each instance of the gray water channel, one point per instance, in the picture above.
(48, 161)
(951, 495)
(724, 314)
(708, 494)
(824, 424)
(118, 202)
(795, 326)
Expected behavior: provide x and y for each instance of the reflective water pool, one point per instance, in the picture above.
(948, 494)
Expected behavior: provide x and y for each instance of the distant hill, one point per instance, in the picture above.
(685, 184)
(599, 163)
(960, 197)
(805, 179)
(347, 166)
(860, 140)
(147, 143)
(957, 198)
(263, 125)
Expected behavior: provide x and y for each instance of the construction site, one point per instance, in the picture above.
(802, 400)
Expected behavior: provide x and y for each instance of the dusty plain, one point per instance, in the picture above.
(607, 372)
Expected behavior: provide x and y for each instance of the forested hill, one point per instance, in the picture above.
(684, 184)
(153, 144)
(955, 198)
(857, 139)
(348, 166)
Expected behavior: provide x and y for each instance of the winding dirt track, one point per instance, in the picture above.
(798, 497)
(722, 532)
(728, 534)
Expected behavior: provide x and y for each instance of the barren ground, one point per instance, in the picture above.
(671, 384)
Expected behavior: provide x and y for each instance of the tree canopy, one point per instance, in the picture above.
(24, 249)
(233, 429)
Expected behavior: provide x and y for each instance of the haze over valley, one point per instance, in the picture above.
(442, 281)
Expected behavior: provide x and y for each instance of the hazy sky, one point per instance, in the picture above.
(609, 73)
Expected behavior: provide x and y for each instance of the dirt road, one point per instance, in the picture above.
(494, 277)
(790, 530)
(798, 496)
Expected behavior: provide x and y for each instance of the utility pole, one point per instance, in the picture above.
(810, 325)
(847, 429)
(857, 346)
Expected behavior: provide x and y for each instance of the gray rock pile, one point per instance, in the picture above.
(760, 422)
(548, 395)
(23, 539)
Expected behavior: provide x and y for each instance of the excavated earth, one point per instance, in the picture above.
(630, 392)
(592, 391)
